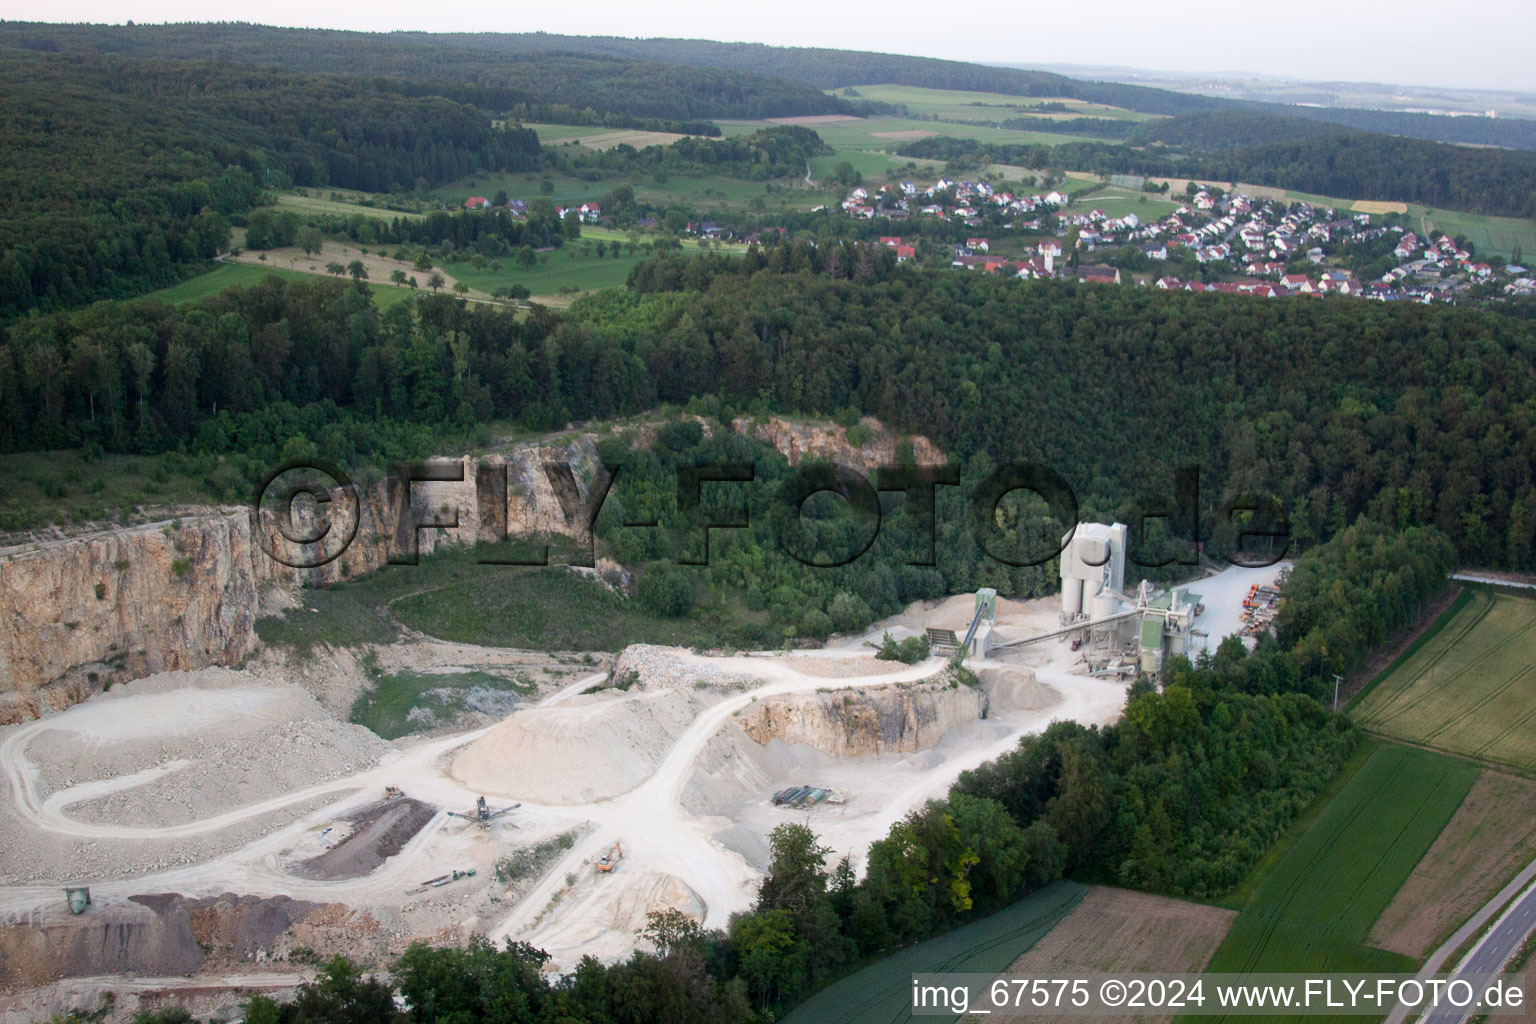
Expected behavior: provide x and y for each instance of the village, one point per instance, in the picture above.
(1260, 244)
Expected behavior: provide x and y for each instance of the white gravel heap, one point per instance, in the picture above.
(670, 668)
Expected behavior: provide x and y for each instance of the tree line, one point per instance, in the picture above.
(777, 152)
(1411, 415)
(1332, 161)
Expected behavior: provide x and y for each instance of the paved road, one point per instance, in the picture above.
(1472, 577)
(1494, 950)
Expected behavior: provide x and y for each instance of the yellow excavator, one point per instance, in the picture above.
(610, 859)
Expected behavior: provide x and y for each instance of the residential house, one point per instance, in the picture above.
(1099, 275)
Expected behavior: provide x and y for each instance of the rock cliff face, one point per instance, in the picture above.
(79, 614)
(796, 441)
(880, 720)
(83, 613)
(167, 934)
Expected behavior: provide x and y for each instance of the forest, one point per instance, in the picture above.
(494, 80)
(832, 69)
(768, 153)
(1410, 415)
(1335, 162)
(124, 176)
(683, 79)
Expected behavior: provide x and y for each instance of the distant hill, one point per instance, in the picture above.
(830, 69)
(496, 80)
(642, 77)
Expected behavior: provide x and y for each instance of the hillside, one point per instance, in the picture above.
(827, 68)
(496, 80)
(121, 175)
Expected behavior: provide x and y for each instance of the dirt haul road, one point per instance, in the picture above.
(597, 915)
(670, 856)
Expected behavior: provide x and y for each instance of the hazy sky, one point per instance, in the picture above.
(1415, 42)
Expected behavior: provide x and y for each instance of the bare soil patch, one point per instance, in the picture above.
(638, 139)
(1489, 838)
(1117, 931)
(1378, 206)
(379, 831)
(910, 133)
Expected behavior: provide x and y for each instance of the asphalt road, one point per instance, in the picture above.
(1494, 951)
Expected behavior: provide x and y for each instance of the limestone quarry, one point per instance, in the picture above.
(234, 827)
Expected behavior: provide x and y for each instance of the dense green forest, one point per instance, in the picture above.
(1334, 162)
(1508, 132)
(494, 80)
(1412, 415)
(643, 76)
(776, 152)
(827, 68)
(124, 175)
(1181, 796)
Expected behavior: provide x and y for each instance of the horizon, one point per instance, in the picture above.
(1332, 56)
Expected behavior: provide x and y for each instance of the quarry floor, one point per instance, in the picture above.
(217, 781)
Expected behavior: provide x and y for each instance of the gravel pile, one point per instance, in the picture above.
(226, 772)
(665, 668)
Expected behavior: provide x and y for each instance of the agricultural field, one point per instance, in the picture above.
(338, 203)
(243, 275)
(1469, 688)
(869, 143)
(1489, 235)
(571, 268)
(379, 266)
(1491, 837)
(959, 105)
(882, 992)
(710, 193)
(598, 137)
(1117, 202)
(1313, 906)
(1117, 930)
